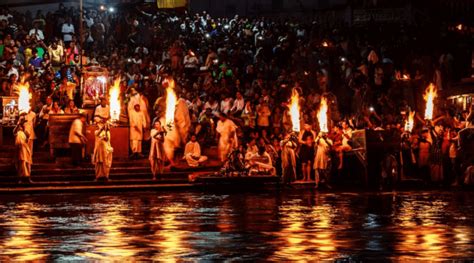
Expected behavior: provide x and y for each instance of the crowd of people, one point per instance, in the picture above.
(235, 77)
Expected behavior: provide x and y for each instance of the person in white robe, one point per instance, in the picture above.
(137, 98)
(23, 156)
(157, 155)
(227, 131)
(288, 157)
(103, 152)
(261, 163)
(192, 153)
(137, 125)
(321, 159)
(102, 111)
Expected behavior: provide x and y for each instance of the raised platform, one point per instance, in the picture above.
(59, 176)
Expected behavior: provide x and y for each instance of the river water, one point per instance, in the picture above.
(277, 226)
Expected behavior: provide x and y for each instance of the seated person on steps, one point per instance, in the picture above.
(192, 153)
(261, 163)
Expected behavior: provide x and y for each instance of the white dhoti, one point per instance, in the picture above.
(136, 146)
(224, 148)
(23, 169)
(24, 157)
(102, 170)
(157, 166)
(30, 144)
(194, 161)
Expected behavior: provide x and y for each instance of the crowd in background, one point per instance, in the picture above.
(244, 70)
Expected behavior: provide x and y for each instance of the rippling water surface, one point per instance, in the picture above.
(179, 226)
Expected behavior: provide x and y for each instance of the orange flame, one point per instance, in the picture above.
(295, 110)
(323, 116)
(429, 96)
(410, 121)
(171, 101)
(405, 77)
(114, 101)
(24, 97)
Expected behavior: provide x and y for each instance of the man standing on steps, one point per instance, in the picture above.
(24, 156)
(137, 125)
(77, 139)
(157, 155)
(102, 157)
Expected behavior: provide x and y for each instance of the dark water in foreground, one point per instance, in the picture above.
(267, 226)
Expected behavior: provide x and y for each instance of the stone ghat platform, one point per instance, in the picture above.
(58, 175)
(134, 175)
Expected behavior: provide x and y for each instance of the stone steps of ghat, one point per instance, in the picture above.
(112, 181)
(90, 176)
(97, 187)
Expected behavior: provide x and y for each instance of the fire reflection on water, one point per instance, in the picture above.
(297, 241)
(22, 243)
(111, 243)
(424, 235)
(168, 238)
(307, 226)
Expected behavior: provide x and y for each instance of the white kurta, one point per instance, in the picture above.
(137, 124)
(103, 154)
(228, 137)
(143, 102)
(23, 158)
(192, 154)
(101, 113)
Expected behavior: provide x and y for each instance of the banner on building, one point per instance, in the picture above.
(171, 3)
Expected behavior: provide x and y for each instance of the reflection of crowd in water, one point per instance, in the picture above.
(235, 75)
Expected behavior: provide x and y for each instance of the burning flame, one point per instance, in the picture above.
(405, 77)
(295, 110)
(24, 97)
(325, 44)
(323, 116)
(429, 96)
(114, 101)
(171, 101)
(410, 122)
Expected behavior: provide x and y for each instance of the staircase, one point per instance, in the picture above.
(59, 175)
